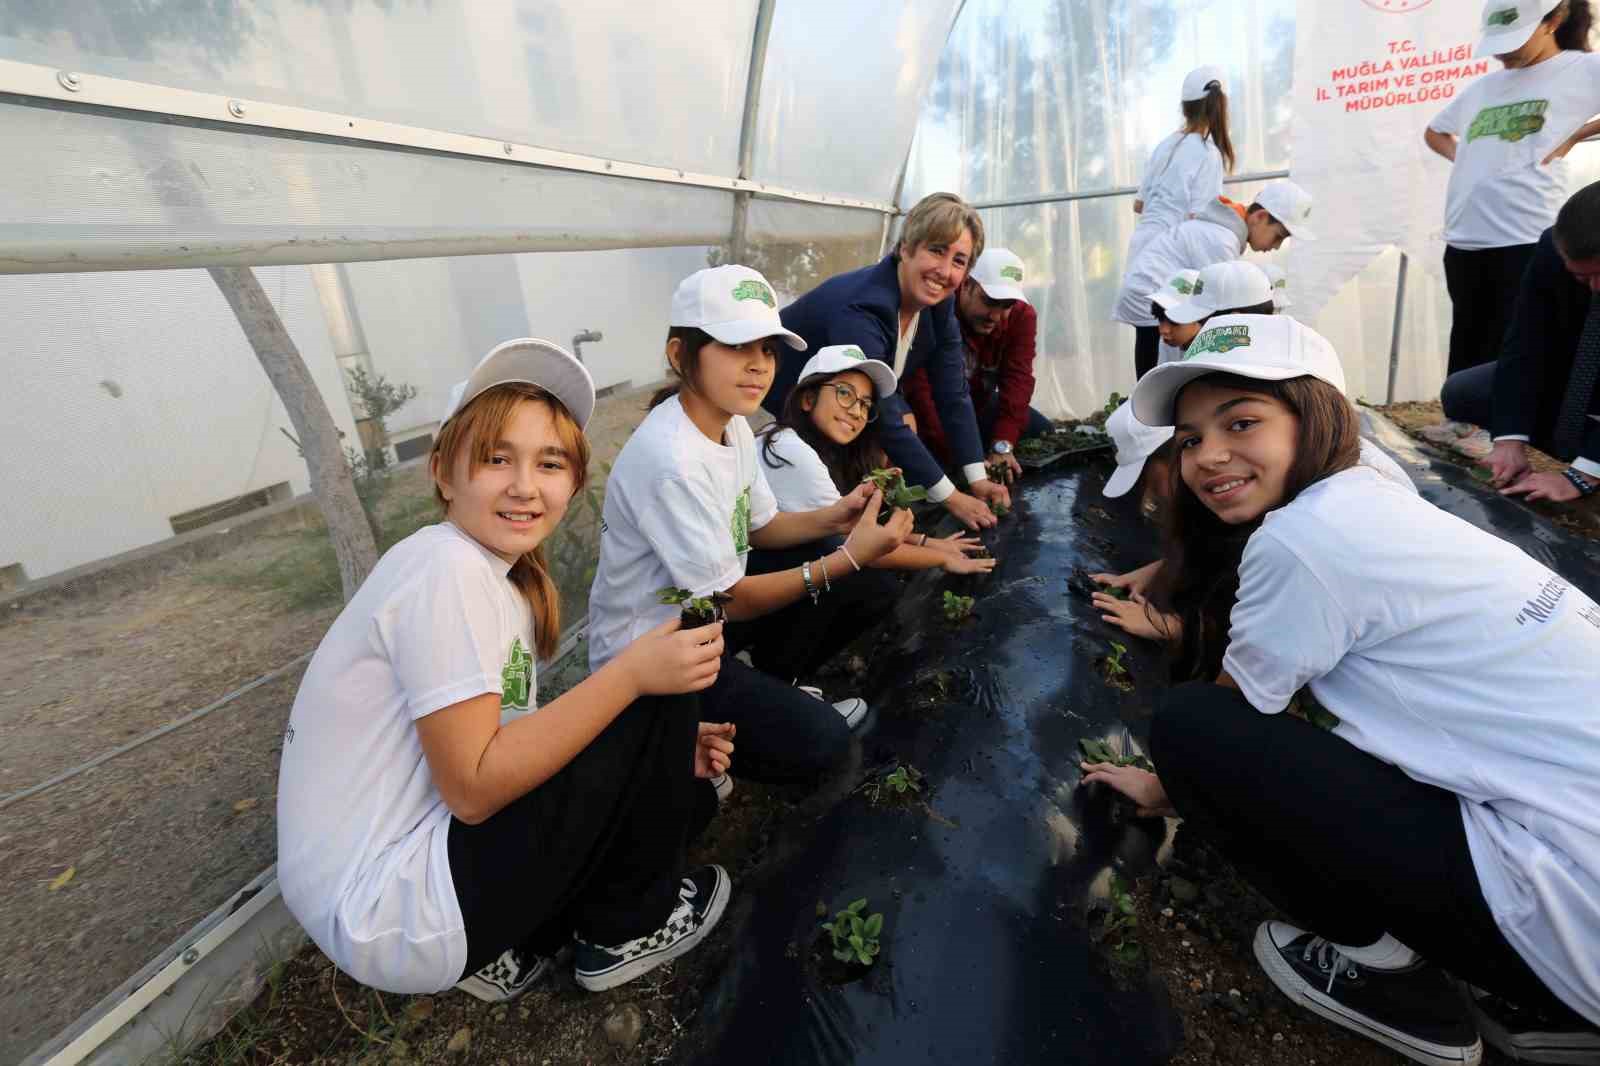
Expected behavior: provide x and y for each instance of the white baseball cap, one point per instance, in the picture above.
(1264, 347)
(1135, 443)
(1177, 290)
(1223, 287)
(837, 358)
(732, 303)
(1280, 285)
(536, 362)
(1506, 25)
(999, 272)
(1289, 204)
(1195, 82)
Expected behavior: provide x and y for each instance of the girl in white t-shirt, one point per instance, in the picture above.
(819, 449)
(1450, 821)
(1184, 172)
(435, 826)
(1508, 135)
(687, 500)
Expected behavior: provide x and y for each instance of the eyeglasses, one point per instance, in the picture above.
(850, 400)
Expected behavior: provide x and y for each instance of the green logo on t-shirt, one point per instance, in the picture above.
(1506, 16)
(1182, 286)
(1221, 340)
(751, 289)
(741, 523)
(1012, 272)
(516, 679)
(1509, 122)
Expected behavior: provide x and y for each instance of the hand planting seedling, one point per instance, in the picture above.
(1115, 671)
(855, 938)
(999, 510)
(896, 493)
(695, 611)
(956, 608)
(1095, 751)
(1482, 473)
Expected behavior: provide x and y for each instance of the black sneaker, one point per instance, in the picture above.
(507, 977)
(1526, 1034)
(701, 901)
(1415, 1010)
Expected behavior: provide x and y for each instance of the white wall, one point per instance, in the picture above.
(86, 473)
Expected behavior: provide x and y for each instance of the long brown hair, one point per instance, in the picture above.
(683, 375)
(1209, 116)
(1200, 575)
(476, 427)
(1573, 33)
(848, 464)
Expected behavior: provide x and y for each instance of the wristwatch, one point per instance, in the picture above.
(1001, 447)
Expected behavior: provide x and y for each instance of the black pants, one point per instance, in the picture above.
(1483, 287)
(1468, 396)
(1346, 844)
(795, 641)
(784, 735)
(1146, 350)
(597, 849)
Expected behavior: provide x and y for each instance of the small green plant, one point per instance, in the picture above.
(1097, 751)
(896, 493)
(1120, 923)
(902, 783)
(999, 473)
(695, 611)
(956, 608)
(1482, 473)
(1035, 448)
(1115, 671)
(999, 510)
(855, 938)
(1116, 592)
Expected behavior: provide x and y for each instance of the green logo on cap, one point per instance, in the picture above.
(1221, 340)
(1198, 287)
(1012, 272)
(1182, 286)
(1506, 16)
(853, 353)
(751, 289)
(1281, 283)
(1509, 122)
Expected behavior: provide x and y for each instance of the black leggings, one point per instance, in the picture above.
(1146, 350)
(597, 849)
(794, 641)
(1346, 844)
(1483, 286)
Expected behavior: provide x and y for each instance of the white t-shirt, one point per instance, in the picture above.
(1377, 459)
(1463, 661)
(678, 513)
(801, 482)
(1183, 175)
(1216, 237)
(1507, 122)
(363, 833)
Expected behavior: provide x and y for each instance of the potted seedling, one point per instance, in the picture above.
(1114, 670)
(696, 611)
(956, 608)
(851, 942)
(896, 493)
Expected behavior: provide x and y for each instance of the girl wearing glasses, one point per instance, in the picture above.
(817, 451)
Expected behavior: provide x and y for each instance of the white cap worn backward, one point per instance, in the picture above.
(1225, 286)
(1135, 443)
(1280, 285)
(1263, 347)
(536, 362)
(1177, 290)
(837, 358)
(1506, 25)
(999, 273)
(1289, 204)
(732, 303)
(1194, 84)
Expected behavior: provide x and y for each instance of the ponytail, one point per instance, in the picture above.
(1211, 115)
(1573, 33)
(531, 575)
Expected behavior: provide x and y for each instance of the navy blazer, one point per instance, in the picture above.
(863, 308)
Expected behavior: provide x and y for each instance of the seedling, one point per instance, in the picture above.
(1099, 751)
(1482, 473)
(695, 611)
(1115, 670)
(896, 493)
(1116, 592)
(898, 785)
(855, 938)
(1035, 448)
(956, 608)
(999, 510)
(1121, 921)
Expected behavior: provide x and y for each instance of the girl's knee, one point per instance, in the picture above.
(1187, 722)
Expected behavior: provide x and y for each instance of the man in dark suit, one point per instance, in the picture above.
(1542, 388)
(902, 311)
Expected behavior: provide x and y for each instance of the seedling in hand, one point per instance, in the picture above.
(999, 473)
(1095, 751)
(855, 938)
(1482, 473)
(896, 493)
(998, 509)
(956, 608)
(695, 611)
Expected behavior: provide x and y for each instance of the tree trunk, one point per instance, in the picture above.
(353, 544)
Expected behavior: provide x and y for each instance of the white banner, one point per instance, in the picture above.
(1369, 75)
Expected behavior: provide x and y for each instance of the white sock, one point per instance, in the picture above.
(1386, 953)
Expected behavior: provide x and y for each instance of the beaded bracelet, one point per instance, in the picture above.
(1584, 486)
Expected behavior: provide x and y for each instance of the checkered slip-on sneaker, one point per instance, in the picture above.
(852, 710)
(1414, 1010)
(701, 900)
(507, 977)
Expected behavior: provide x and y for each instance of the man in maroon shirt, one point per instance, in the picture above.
(999, 327)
